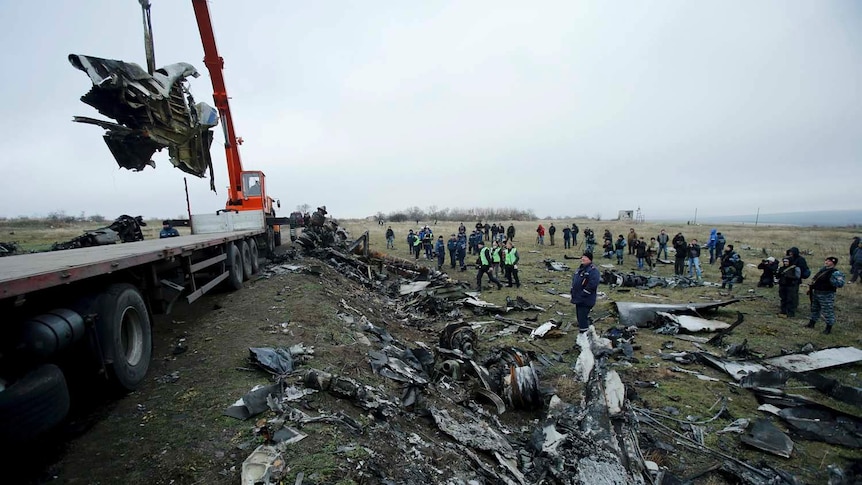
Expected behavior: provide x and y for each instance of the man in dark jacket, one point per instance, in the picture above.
(789, 277)
(510, 232)
(390, 238)
(662, 240)
(452, 246)
(575, 232)
(720, 241)
(681, 248)
(822, 291)
(798, 261)
(168, 230)
(694, 260)
(856, 260)
(769, 266)
(567, 237)
(551, 231)
(585, 285)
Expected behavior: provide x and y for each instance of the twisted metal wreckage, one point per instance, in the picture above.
(592, 441)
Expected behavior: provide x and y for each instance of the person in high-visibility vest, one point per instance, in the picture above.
(485, 267)
(496, 258)
(512, 259)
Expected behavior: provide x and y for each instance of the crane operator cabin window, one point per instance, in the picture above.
(251, 184)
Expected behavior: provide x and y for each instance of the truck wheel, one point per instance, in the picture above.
(33, 404)
(246, 260)
(255, 256)
(125, 335)
(270, 242)
(234, 267)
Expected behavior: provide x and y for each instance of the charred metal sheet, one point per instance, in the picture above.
(471, 431)
(253, 403)
(765, 436)
(821, 359)
(642, 314)
(364, 396)
(458, 336)
(832, 388)
(152, 111)
(737, 370)
(824, 425)
(521, 304)
(765, 378)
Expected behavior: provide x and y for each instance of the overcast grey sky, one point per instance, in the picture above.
(563, 107)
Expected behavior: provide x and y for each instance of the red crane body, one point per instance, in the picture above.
(247, 189)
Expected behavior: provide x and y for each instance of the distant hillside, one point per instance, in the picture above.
(813, 218)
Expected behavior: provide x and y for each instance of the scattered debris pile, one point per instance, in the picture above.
(123, 229)
(9, 248)
(634, 280)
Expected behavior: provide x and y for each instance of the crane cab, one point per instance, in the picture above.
(253, 194)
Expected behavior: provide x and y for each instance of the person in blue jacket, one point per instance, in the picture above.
(452, 246)
(462, 250)
(711, 245)
(440, 250)
(168, 230)
(585, 284)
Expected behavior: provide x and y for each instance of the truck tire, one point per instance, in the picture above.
(33, 404)
(255, 255)
(234, 267)
(125, 335)
(270, 242)
(246, 260)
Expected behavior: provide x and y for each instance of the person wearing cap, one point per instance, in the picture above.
(168, 230)
(484, 263)
(789, 276)
(585, 284)
(822, 291)
(769, 266)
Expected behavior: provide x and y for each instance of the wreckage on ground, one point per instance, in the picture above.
(124, 229)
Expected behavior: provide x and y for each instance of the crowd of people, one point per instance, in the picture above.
(497, 257)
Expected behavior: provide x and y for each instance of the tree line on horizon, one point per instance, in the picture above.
(433, 213)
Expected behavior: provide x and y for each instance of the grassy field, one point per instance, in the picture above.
(202, 448)
(764, 331)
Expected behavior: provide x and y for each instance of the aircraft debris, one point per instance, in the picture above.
(552, 265)
(262, 466)
(253, 403)
(643, 314)
(765, 436)
(279, 361)
(513, 377)
(123, 229)
(458, 336)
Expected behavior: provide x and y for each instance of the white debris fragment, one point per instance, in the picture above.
(615, 392)
(542, 329)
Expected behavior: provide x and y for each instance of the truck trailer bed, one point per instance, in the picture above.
(30, 272)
